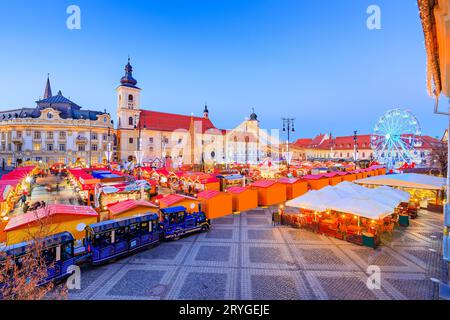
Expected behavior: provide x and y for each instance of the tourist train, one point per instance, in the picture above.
(110, 240)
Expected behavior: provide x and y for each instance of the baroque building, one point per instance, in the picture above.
(156, 137)
(56, 130)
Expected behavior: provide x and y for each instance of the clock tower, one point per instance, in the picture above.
(128, 100)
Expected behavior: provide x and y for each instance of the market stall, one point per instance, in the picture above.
(244, 198)
(130, 208)
(230, 180)
(175, 200)
(349, 176)
(426, 188)
(317, 182)
(109, 193)
(334, 178)
(270, 192)
(52, 219)
(216, 204)
(352, 213)
(295, 187)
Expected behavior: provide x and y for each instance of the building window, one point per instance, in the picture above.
(364, 154)
(81, 148)
(62, 134)
(37, 147)
(49, 147)
(37, 135)
(3, 146)
(130, 101)
(62, 147)
(151, 149)
(19, 134)
(50, 135)
(130, 121)
(105, 137)
(151, 140)
(131, 140)
(9, 146)
(94, 136)
(94, 147)
(19, 147)
(49, 115)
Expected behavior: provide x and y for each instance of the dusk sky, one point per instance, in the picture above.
(312, 60)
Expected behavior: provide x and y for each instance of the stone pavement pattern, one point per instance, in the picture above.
(244, 257)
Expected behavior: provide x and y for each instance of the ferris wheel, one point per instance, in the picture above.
(395, 136)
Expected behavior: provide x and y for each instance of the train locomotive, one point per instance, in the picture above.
(110, 240)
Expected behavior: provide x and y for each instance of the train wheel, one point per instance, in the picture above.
(205, 228)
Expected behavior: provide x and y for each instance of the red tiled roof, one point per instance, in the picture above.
(163, 121)
(208, 194)
(264, 183)
(49, 210)
(123, 206)
(303, 143)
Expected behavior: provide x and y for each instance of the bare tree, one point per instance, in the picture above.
(438, 156)
(22, 277)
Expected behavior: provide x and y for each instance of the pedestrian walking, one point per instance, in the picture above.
(273, 218)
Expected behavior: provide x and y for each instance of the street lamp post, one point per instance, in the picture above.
(139, 145)
(355, 147)
(288, 124)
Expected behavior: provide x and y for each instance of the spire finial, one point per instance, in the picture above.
(48, 88)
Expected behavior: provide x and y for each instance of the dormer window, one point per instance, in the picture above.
(49, 115)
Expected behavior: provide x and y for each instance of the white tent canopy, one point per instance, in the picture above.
(363, 207)
(353, 199)
(406, 180)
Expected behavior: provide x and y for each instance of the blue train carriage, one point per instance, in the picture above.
(177, 222)
(56, 250)
(112, 239)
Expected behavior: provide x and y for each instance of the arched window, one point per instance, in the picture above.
(130, 98)
(130, 101)
(130, 121)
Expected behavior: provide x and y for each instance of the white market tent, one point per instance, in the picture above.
(354, 199)
(406, 180)
(363, 207)
(313, 200)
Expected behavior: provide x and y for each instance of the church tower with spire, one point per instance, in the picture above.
(48, 88)
(128, 99)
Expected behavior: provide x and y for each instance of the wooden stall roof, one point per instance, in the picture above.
(236, 189)
(49, 210)
(123, 206)
(264, 183)
(209, 194)
(172, 199)
(287, 180)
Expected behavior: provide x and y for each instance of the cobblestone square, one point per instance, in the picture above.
(245, 257)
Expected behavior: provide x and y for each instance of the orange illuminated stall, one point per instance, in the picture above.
(349, 177)
(216, 204)
(130, 208)
(359, 174)
(175, 200)
(52, 219)
(270, 192)
(294, 187)
(317, 182)
(243, 198)
(381, 171)
(334, 178)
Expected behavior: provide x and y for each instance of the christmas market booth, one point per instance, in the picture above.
(108, 193)
(270, 192)
(426, 189)
(355, 214)
(175, 200)
(7, 196)
(83, 183)
(349, 176)
(317, 182)
(216, 204)
(244, 198)
(230, 180)
(334, 177)
(199, 181)
(49, 220)
(295, 187)
(130, 208)
(161, 176)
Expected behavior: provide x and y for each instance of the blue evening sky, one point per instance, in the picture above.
(312, 60)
